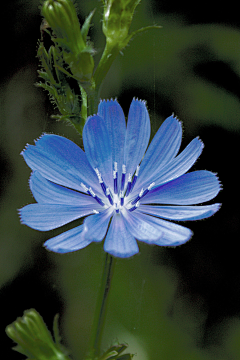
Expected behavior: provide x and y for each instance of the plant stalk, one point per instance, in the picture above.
(100, 312)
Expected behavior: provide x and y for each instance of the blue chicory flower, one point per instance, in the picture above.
(127, 189)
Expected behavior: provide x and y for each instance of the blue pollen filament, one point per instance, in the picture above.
(142, 193)
(134, 207)
(109, 196)
(101, 182)
(135, 178)
(129, 185)
(92, 193)
(123, 177)
(115, 178)
(121, 198)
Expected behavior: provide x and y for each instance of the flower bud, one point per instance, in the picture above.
(33, 338)
(117, 18)
(62, 18)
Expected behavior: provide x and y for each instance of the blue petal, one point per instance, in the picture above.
(96, 225)
(114, 119)
(163, 148)
(182, 213)
(45, 217)
(181, 164)
(119, 241)
(98, 147)
(60, 161)
(173, 234)
(68, 241)
(137, 135)
(46, 192)
(192, 188)
(140, 228)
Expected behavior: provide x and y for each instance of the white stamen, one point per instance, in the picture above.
(141, 193)
(137, 170)
(151, 185)
(84, 187)
(92, 192)
(98, 175)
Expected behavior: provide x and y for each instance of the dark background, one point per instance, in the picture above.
(166, 303)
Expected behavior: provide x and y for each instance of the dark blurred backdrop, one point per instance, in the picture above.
(181, 303)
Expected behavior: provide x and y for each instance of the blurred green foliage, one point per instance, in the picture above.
(163, 66)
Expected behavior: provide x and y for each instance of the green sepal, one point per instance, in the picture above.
(81, 65)
(86, 26)
(139, 31)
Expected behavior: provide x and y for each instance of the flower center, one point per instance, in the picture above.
(118, 198)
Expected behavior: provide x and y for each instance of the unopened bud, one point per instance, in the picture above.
(117, 18)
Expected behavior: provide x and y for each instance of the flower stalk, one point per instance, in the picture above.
(101, 306)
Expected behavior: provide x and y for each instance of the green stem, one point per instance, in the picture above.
(100, 312)
(109, 55)
(93, 101)
(93, 92)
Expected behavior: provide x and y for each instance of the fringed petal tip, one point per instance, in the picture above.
(219, 184)
(35, 142)
(108, 100)
(21, 216)
(144, 102)
(19, 211)
(174, 117)
(39, 138)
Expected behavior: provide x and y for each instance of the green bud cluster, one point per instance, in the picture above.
(67, 66)
(33, 338)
